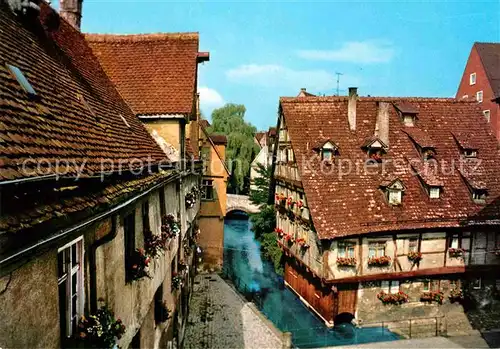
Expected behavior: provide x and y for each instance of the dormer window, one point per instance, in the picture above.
(428, 154)
(409, 120)
(328, 150)
(470, 153)
(408, 113)
(375, 150)
(434, 192)
(479, 195)
(326, 154)
(394, 192)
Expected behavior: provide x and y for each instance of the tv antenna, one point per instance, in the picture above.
(338, 82)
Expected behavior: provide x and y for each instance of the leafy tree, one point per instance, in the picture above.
(260, 190)
(264, 222)
(241, 148)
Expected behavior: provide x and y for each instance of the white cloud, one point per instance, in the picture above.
(210, 97)
(363, 52)
(273, 75)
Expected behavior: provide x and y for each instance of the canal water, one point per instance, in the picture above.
(242, 260)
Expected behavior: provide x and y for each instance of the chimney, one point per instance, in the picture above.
(382, 125)
(351, 108)
(71, 11)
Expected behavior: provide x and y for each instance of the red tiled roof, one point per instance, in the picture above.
(259, 135)
(57, 61)
(155, 73)
(406, 108)
(204, 123)
(466, 140)
(219, 139)
(490, 58)
(419, 136)
(346, 203)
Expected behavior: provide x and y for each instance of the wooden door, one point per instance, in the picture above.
(347, 297)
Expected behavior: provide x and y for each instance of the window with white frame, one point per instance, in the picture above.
(472, 79)
(346, 249)
(391, 286)
(208, 190)
(70, 280)
(479, 96)
(454, 241)
(395, 196)
(487, 115)
(434, 192)
(376, 249)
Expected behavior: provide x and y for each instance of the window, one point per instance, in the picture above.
(479, 96)
(71, 299)
(346, 249)
(431, 285)
(434, 192)
(327, 154)
(413, 245)
(476, 284)
(290, 155)
(391, 286)
(465, 96)
(376, 249)
(408, 119)
(479, 196)
(163, 209)
(395, 197)
(145, 217)
(486, 114)
(472, 79)
(470, 153)
(208, 190)
(129, 239)
(454, 241)
(21, 79)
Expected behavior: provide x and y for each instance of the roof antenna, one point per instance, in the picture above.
(338, 82)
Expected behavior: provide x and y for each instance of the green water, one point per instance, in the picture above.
(242, 259)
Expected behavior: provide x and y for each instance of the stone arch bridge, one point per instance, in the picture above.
(240, 203)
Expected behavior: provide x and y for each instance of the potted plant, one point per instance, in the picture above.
(381, 261)
(279, 232)
(139, 264)
(100, 330)
(414, 256)
(456, 252)
(162, 313)
(432, 296)
(393, 298)
(346, 261)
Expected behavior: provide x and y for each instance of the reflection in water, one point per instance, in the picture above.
(242, 258)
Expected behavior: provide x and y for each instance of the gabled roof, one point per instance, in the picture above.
(373, 141)
(489, 54)
(303, 93)
(351, 202)
(58, 63)
(155, 73)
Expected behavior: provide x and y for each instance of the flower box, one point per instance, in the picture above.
(302, 243)
(300, 204)
(290, 239)
(100, 330)
(414, 257)
(381, 261)
(290, 202)
(279, 232)
(393, 298)
(456, 252)
(346, 261)
(138, 265)
(169, 226)
(433, 296)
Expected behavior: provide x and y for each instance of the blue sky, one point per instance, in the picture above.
(263, 50)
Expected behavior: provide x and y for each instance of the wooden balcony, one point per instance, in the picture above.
(288, 173)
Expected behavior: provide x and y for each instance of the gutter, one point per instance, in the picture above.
(85, 223)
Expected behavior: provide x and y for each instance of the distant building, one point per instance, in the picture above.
(481, 81)
(266, 141)
(376, 214)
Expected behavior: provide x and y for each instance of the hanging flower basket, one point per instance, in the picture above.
(393, 298)
(100, 330)
(302, 243)
(414, 257)
(155, 244)
(162, 313)
(433, 296)
(456, 295)
(176, 281)
(381, 261)
(456, 252)
(139, 265)
(346, 261)
(169, 226)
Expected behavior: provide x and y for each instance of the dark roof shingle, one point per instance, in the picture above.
(490, 58)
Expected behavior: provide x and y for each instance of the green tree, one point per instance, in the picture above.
(264, 222)
(241, 148)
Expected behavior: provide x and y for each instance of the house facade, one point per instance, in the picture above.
(385, 208)
(481, 81)
(266, 142)
(96, 218)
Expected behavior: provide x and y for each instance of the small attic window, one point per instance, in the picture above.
(479, 195)
(428, 154)
(434, 192)
(328, 151)
(409, 120)
(394, 192)
(21, 79)
(375, 150)
(470, 153)
(125, 121)
(326, 154)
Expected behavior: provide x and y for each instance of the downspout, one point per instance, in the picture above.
(92, 263)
